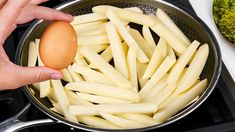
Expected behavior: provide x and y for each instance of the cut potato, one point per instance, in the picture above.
(98, 48)
(157, 58)
(101, 99)
(126, 15)
(106, 54)
(158, 74)
(162, 47)
(173, 41)
(148, 37)
(131, 61)
(182, 62)
(141, 67)
(93, 75)
(91, 29)
(175, 103)
(166, 20)
(112, 109)
(93, 40)
(125, 47)
(45, 88)
(194, 70)
(170, 52)
(97, 122)
(103, 90)
(117, 50)
(62, 100)
(121, 122)
(106, 68)
(76, 99)
(127, 36)
(164, 93)
(86, 25)
(67, 77)
(140, 118)
(155, 90)
(154, 63)
(33, 54)
(102, 9)
(86, 18)
(143, 44)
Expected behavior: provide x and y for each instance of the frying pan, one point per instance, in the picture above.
(191, 25)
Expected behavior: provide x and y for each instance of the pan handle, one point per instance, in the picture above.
(14, 124)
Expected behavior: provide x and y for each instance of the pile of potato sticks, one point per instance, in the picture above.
(121, 78)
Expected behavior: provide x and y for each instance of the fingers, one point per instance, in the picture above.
(51, 14)
(9, 13)
(38, 12)
(29, 75)
(36, 2)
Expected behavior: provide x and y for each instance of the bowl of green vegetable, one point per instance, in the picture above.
(224, 17)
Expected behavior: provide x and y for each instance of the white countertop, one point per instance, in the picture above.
(203, 8)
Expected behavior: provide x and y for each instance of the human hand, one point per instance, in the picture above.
(13, 12)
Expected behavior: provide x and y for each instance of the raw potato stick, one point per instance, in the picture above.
(85, 25)
(148, 37)
(106, 68)
(141, 67)
(156, 59)
(112, 109)
(62, 99)
(33, 54)
(162, 47)
(103, 90)
(97, 122)
(182, 62)
(127, 15)
(119, 57)
(67, 77)
(141, 42)
(194, 70)
(45, 88)
(127, 36)
(131, 61)
(90, 29)
(86, 18)
(94, 76)
(98, 48)
(170, 52)
(158, 74)
(172, 40)
(93, 40)
(102, 9)
(164, 93)
(140, 118)
(106, 54)
(77, 100)
(101, 99)
(121, 122)
(176, 102)
(166, 20)
(155, 90)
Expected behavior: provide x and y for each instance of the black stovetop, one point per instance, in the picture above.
(216, 114)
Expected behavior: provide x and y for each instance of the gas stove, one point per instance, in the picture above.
(216, 114)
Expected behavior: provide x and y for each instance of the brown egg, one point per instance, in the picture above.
(58, 45)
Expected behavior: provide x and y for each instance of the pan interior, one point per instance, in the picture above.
(185, 22)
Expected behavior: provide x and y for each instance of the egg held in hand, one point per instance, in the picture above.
(58, 45)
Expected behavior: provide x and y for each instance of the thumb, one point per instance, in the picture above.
(29, 75)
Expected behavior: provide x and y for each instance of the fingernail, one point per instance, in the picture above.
(56, 76)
